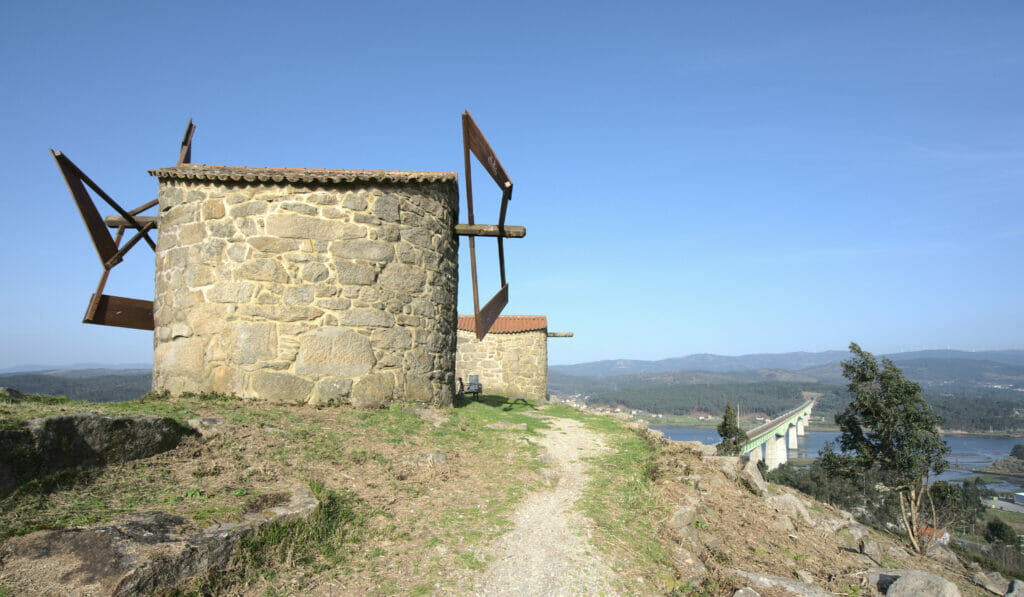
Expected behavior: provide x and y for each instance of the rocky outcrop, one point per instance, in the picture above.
(910, 583)
(151, 553)
(992, 581)
(728, 526)
(751, 478)
(46, 445)
(793, 586)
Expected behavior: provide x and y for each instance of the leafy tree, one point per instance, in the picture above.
(889, 427)
(959, 506)
(1000, 533)
(732, 436)
(1017, 451)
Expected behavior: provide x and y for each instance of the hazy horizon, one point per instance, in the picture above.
(35, 367)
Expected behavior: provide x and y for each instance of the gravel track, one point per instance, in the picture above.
(548, 552)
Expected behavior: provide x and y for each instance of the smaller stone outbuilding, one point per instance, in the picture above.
(511, 360)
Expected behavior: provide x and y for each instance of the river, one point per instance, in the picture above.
(967, 452)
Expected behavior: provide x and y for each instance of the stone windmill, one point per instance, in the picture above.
(300, 285)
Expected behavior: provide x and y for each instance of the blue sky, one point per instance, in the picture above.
(733, 179)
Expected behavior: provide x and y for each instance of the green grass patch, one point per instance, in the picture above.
(623, 504)
(323, 541)
(469, 560)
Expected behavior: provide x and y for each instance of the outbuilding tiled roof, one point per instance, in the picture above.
(247, 174)
(507, 324)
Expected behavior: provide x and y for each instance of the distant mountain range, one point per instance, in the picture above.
(79, 367)
(94, 385)
(975, 391)
(993, 374)
(787, 361)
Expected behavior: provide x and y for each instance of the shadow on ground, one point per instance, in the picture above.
(505, 403)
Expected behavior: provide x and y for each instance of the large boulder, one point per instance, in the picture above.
(910, 583)
(751, 478)
(795, 587)
(150, 553)
(46, 445)
(992, 581)
(792, 506)
(1016, 589)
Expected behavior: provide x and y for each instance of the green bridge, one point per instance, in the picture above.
(778, 436)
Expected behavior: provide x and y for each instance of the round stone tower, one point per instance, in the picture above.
(302, 285)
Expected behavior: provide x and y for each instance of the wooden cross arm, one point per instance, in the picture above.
(489, 230)
(118, 221)
(559, 334)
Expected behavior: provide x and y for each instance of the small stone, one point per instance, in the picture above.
(386, 208)
(302, 295)
(366, 318)
(369, 250)
(265, 270)
(281, 387)
(355, 273)
(402, 278)
(871, 550)
(289, 225)
(334, 351)
(253, 342)
(373, 391)
(314, 272)
(992, 581)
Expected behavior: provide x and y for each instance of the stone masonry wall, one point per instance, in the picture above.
(335, 286)
(514, 365)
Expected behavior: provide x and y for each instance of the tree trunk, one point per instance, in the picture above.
(911, 531)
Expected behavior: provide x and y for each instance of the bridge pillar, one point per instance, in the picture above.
(791, 440)
(755, 454)
(775, 451)
(800, 424)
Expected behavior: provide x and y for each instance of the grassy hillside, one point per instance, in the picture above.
(411, 493)
(411, 498)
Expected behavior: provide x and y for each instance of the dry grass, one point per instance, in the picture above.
(419, 520)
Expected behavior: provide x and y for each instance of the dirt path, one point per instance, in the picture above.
(548, 552)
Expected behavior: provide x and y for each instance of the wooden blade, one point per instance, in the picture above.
(101, 238)
(486, 317)
(185, 156)
(121, 312)
(483, 152)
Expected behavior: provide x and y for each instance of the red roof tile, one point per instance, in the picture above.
(507, 324)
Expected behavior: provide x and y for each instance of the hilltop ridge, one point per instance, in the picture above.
(417, 500)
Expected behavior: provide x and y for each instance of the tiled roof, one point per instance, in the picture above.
(247, 174)
(507, 324)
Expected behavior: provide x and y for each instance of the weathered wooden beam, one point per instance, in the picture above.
(559, 334)
(120, 312)
(489, 230)
(118, 221)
